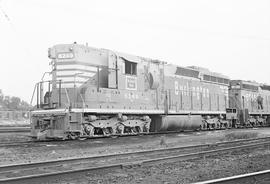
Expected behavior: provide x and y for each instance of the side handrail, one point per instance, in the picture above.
(82, 100)
(34, 91)
(67, 95)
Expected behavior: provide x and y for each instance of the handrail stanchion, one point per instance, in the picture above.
(33, 94)
(98, 78)
(69, 103)
(37, 95)
(41, 94)
(59, 101)
(49, 94)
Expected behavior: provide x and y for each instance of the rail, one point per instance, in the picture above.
(14, 129)
(238, 178)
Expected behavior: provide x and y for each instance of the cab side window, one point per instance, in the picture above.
(130, 68)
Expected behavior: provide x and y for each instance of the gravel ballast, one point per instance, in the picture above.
(219, 166)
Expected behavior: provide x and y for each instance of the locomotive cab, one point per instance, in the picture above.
(232, 116)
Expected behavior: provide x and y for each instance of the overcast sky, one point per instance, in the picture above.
(227, 36)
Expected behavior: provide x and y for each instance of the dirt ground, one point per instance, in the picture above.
(50, 151)
(14, 137)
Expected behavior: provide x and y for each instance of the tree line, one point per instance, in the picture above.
(12, 103)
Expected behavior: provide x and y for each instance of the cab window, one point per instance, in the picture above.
(130, 68)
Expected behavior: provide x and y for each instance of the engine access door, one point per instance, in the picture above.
(112, 64)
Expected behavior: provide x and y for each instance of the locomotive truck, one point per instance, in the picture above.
(100, 92)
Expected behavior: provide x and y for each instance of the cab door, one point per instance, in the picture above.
(112, 70)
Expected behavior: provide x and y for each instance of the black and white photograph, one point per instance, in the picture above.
(135, 92)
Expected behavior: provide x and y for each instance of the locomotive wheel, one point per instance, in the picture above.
(201, 127)
(262, 123)
(127, 130)
(204, 126)
(114, 130)
(89, 130)
(138, 129)
(218, 126)
(251, 124)
(133, 130)
(120, 129)
(229, 125)
(223, 125)
(106, 131)
(145, 128)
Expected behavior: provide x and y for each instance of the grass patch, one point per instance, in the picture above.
(240, 135)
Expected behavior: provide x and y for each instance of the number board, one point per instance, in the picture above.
(131, 83)
(65, 55)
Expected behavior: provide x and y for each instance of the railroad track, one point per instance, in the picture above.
(255, 177)
(24, 143)
(43, 142)
(48, 141)
(14, 129)
(34, 171)
(16, 143)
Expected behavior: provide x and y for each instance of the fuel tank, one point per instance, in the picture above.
(175, 123)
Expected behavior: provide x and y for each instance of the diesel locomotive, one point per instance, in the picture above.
(100, 92)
